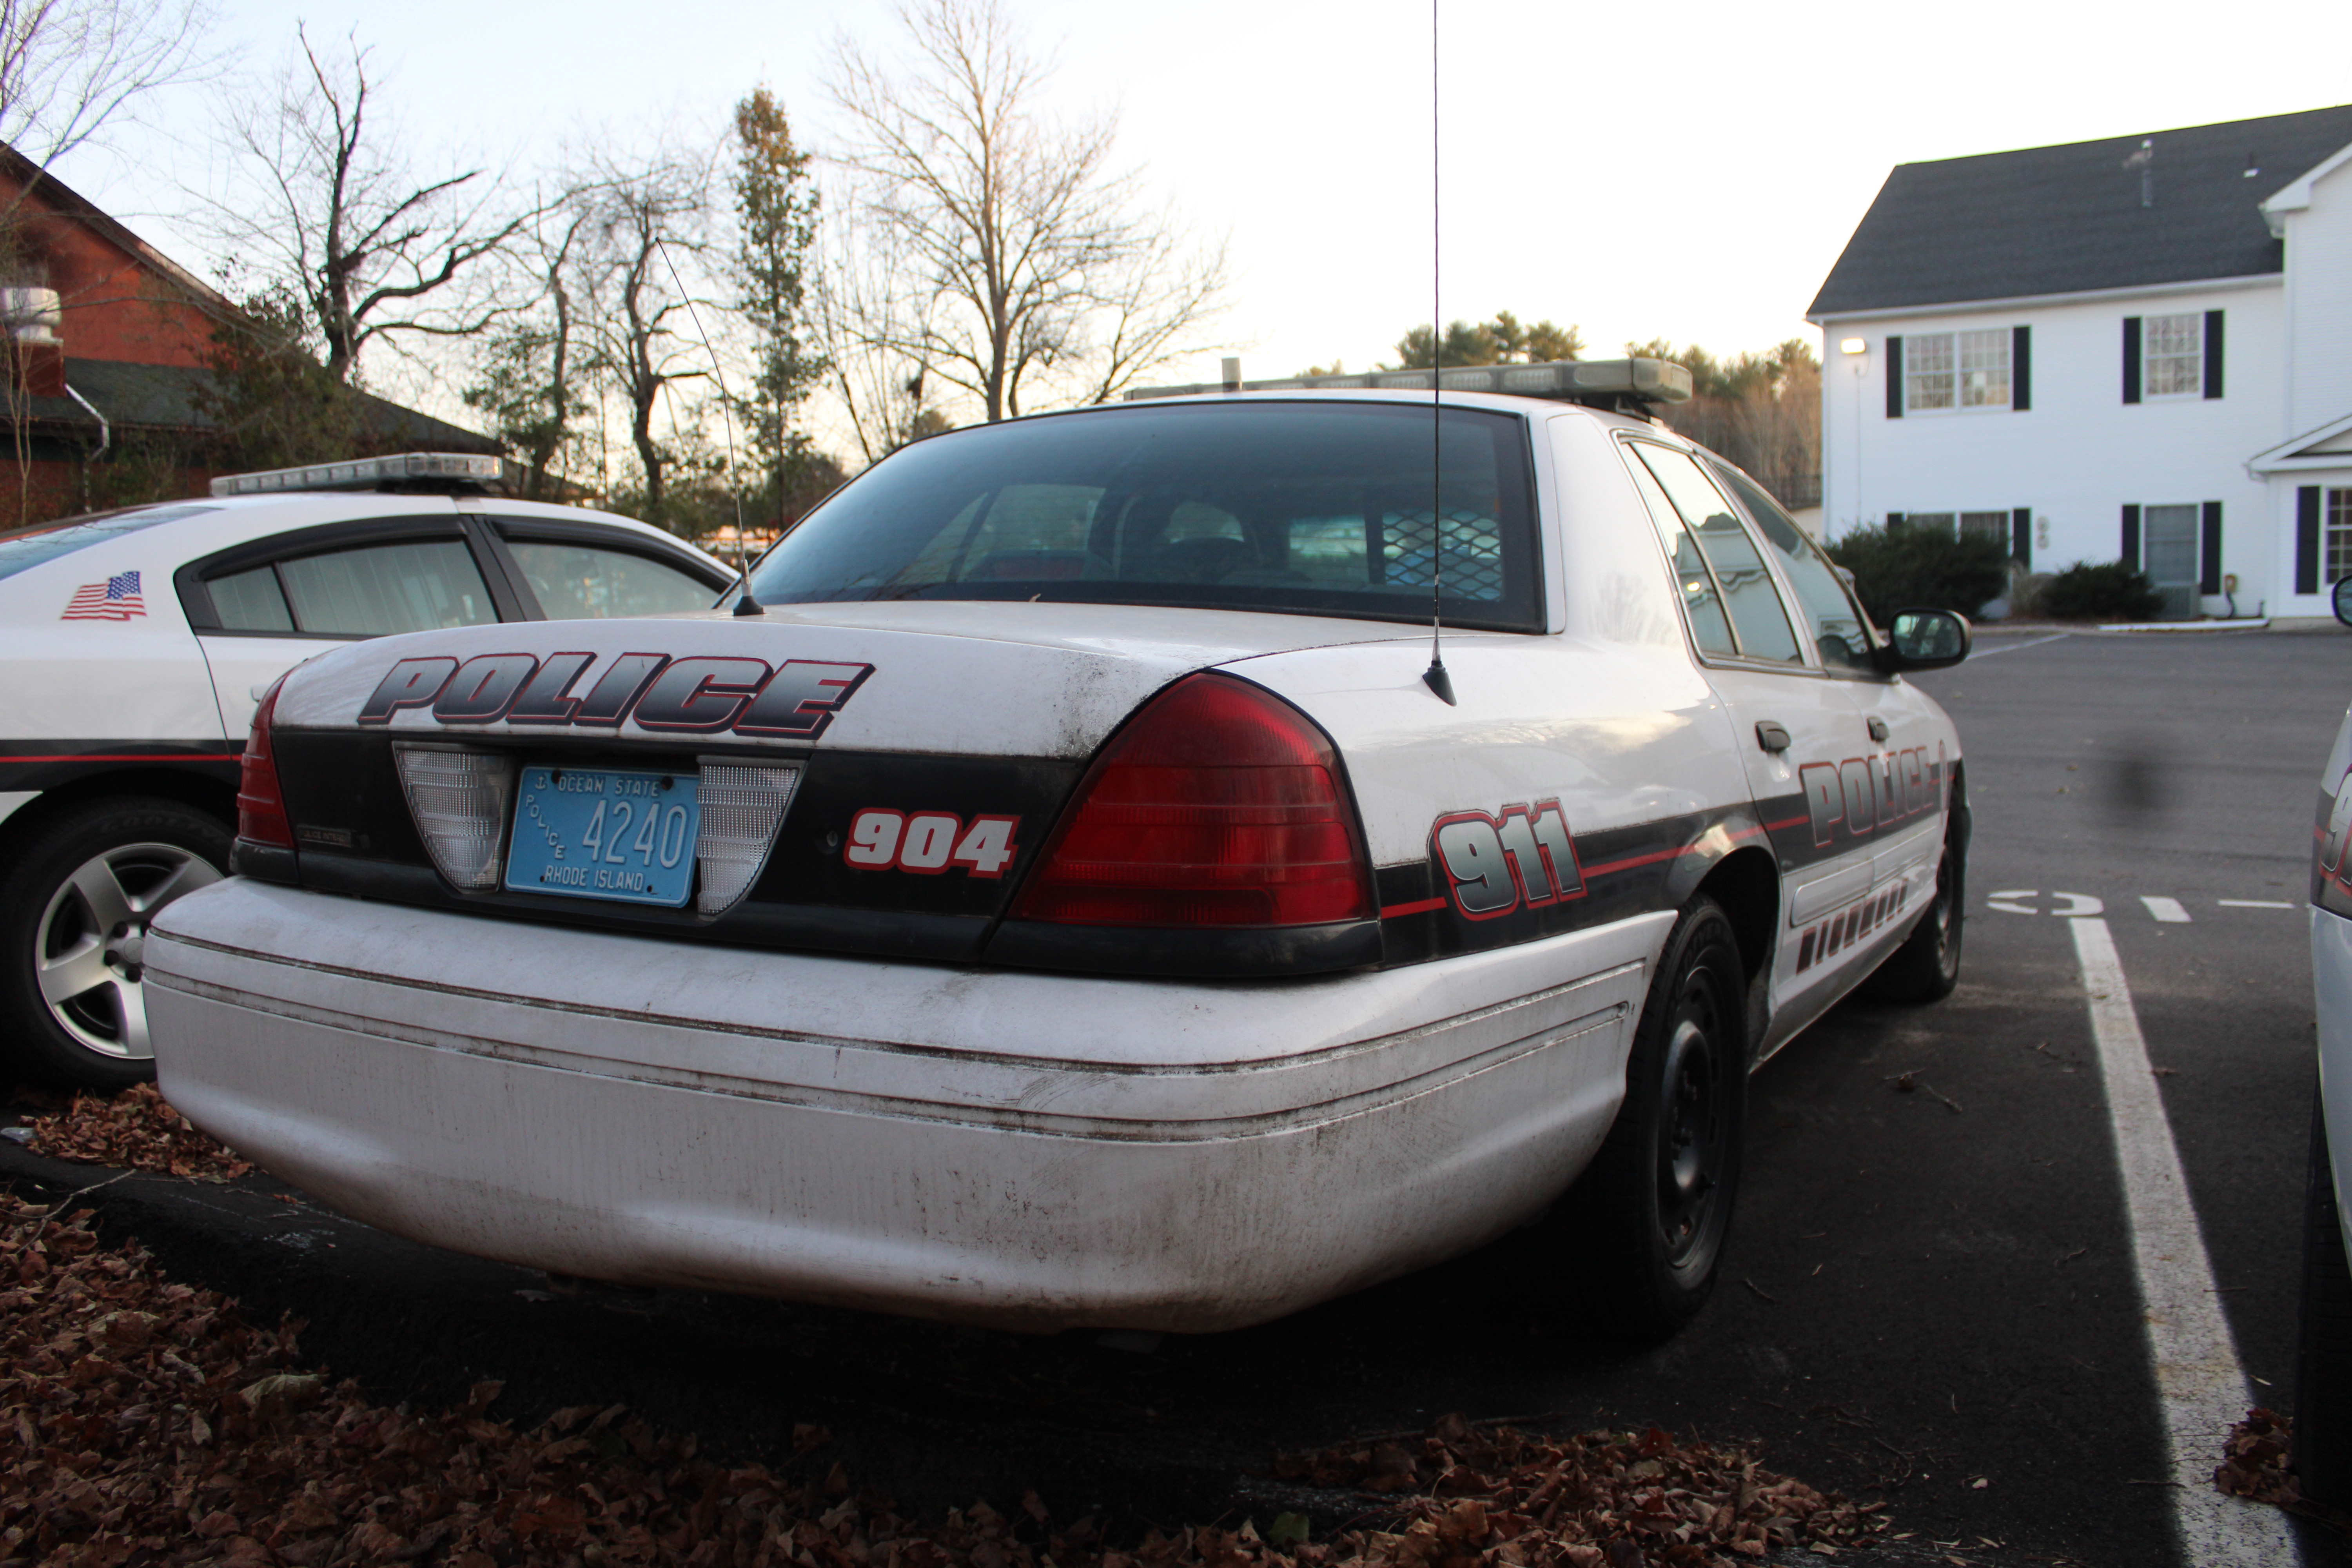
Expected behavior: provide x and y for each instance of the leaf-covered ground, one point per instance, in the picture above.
(137, 1130)
(2259, 1463)
(147, 1421)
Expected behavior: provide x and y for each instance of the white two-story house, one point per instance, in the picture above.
(2137, 349)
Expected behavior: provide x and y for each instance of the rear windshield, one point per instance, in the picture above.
(31, 548)
(1316, 509)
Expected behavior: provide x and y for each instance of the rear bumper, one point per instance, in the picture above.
(1033, 1151)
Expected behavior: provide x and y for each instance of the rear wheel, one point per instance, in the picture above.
(74, 915)
(2323, 1379)
(1927, 965)
(1651, 1214)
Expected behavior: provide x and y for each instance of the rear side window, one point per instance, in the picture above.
(427, 585)
(1309, 508)
(1757, 612)
(1837, 626)
(1701, 604)
(251, 602)
(584, 581)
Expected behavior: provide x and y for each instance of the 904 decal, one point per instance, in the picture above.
(928, 843)
(1524, 857)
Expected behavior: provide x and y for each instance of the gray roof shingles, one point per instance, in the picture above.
(2062, 220)
(162, 396)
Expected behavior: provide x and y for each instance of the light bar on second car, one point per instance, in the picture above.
(367, 473)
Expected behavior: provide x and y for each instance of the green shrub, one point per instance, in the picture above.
(2108, 590)
(1902, 568)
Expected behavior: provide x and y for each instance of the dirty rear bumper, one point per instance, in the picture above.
(1031, 1151)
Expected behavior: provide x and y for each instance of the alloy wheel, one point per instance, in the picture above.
(89, 955)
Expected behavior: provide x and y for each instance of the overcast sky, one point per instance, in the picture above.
(1689, 171)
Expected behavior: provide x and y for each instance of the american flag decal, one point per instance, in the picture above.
(116, 599)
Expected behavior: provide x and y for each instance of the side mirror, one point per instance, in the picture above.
(1925, 639)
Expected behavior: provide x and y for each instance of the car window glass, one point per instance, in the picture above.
(581, 581)
(1748, 588)
(385, 588)
(50, 540)
(1834, 621)
(1692, 580)
(1312, 508)
(250, 602)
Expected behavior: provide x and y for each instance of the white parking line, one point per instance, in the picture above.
(2168, 910)
(2199, 1381)
(2012, 648)
(2255, 904)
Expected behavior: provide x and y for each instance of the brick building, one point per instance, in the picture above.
(109, 350)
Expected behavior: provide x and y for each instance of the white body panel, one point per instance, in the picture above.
(1228, 1154)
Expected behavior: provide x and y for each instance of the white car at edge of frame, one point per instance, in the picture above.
(132, 647)
(2323, 1405)
(1057, 898)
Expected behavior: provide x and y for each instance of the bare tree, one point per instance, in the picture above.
(69, 66)
(1029, 263)
(326, 194)
(531, 376)
(647, 238)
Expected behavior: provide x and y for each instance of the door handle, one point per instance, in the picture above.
(1771, 736)
(1879, 729)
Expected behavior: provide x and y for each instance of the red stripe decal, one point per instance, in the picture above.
(1787, 822)
(1418, 907)
(134, 757)
(1636, 860)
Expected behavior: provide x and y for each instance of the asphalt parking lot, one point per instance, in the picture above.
(1932, 1293)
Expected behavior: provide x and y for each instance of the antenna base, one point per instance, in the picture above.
(1437, 680)
(748, 605)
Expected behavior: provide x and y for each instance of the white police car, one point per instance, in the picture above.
(1062, 897)
(2322, 1407)
(130, 646)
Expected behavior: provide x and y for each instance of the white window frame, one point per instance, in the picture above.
(2335, 534)
(1976, 373)
(2187, 364)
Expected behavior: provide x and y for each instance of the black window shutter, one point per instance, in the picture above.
(2020, 532)
(1894, 520)
(2306, 539)
(2130, 556)
(1894, 378)
(2213, 366)
(2020, 369)
(2209, 578)
(2131, 359)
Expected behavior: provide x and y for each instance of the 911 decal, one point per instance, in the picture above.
(698, 695)
(930, 842)
(1524, 857)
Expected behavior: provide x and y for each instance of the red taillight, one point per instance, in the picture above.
(260, 808)
(1219, 805)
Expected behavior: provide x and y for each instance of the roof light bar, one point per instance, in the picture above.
(1601, 381)
(369, 473)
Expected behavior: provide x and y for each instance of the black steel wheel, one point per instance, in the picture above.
(2323, 1371)
(74, 915)
(1651, 1214)
(1927, 965)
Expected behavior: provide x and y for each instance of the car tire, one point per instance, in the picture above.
(1647, 1221)
(74, 913)
(2323, 1371)
(1927, 965)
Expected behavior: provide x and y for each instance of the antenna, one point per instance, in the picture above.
(744, 604)
(1435, 676)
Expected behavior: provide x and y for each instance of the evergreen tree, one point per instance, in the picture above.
(775, 205)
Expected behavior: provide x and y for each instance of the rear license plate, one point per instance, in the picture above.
(605, 832)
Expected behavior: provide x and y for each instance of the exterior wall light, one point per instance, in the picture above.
(1855, 346)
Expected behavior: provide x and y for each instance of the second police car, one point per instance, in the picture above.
(1056, 897)
(132, 644)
